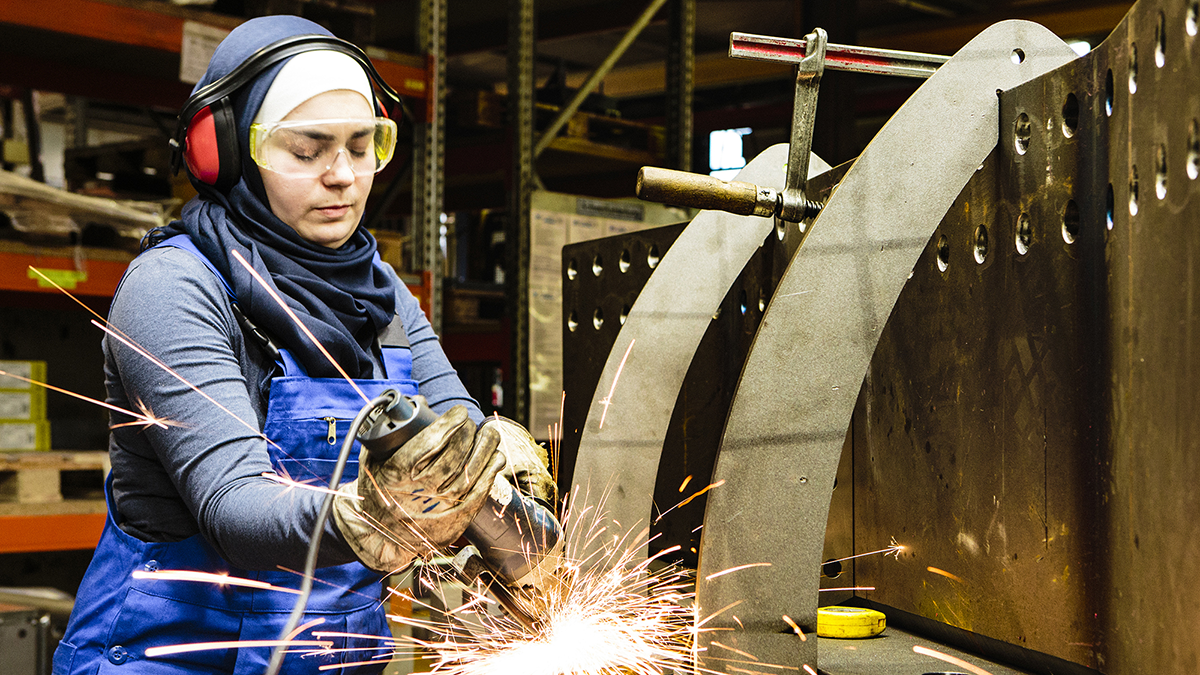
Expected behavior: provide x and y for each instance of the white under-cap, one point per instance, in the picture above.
(308, 74)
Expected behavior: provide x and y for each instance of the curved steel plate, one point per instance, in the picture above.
(789, 418)
(621, 444)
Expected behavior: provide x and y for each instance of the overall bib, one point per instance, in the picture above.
(117, 617)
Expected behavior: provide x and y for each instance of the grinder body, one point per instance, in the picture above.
(518, 538)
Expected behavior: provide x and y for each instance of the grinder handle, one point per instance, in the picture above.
(392, 426)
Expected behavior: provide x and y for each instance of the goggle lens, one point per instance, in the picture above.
(309, 148)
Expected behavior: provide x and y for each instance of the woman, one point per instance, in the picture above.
(282, 139)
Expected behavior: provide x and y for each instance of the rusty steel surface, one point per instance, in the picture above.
(1043, 402)
(788, 422)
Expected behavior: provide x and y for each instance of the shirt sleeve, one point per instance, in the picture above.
(208, 459)
(436, 379)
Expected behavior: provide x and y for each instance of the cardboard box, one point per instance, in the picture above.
(23, 406)
(30, 370)
(24, 436)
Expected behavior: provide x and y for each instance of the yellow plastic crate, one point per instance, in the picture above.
(22, 406)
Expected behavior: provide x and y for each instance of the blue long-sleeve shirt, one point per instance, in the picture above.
(204, 474)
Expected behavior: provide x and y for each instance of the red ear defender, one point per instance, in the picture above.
(210, 146)
(200, 148)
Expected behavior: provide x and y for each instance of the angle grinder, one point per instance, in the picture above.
(515, 539)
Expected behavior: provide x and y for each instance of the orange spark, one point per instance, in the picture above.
(275, 296)
(144, 419)
(736, 651)
(233, 644)
(808, 669)
(292, 483)
(735, 569)
(300, 629)
(847, 588)
(946, 574)
(685, 483)
(950, 659)
(894, 549)
(607, 400)
(123, 339)
(689, 499)
(795, 628)
(206, 577)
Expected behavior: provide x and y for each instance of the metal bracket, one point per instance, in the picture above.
(795, 207)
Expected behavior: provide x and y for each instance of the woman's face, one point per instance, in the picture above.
(323, 209)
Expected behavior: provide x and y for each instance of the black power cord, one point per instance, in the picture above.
(310, 562)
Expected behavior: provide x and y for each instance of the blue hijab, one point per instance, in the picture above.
(339, 294)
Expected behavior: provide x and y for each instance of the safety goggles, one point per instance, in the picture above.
(309, 148)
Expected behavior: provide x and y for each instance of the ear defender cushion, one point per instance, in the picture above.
(210, 147)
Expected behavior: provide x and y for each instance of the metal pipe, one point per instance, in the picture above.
(837, 57)
(597, 75)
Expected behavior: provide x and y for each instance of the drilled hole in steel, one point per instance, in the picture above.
(742, 301)
(1110, 203)
(1022, 131)
(1024, 234)
(572, 269)
(573, 321)
(597, 318)
(597, 265)
(981, 244)
(831, 569)
(1070, 113)
(1070, 224)
(624, 314)
(1133, 190)
(1160, 41)
(762, 300)
(1160, 173)
(1108, 93)
(1193, 17)
(943, 253)
(1193, 155)
(1133, 68)
(780, 229)
(1018, 56)
(652, 257)
(623, 263)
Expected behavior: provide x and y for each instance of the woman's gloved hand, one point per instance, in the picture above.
(423, 497)
(528, 463)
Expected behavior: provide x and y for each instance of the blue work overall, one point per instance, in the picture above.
(117, 617)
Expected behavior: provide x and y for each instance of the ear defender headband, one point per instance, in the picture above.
(206, 137)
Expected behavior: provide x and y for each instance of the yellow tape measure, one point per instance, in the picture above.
(849, 622)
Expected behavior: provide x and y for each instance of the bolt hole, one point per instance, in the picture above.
(1109, 207)
(1108, 93)
(1193, 155)
(652, 257)
(597, 318)
(762, 300)
(623, 262)
(742, 301)
(597, 265)
(943, 253)
(1133, 190)
(1022, 131)
(1018, 56)
(1070, 113)
(573, 321)
(831, 569)
(624, 314)
(1070, 225)
(780, 229)
(572, 270)
(1160, 41)
(1133, 68)
(981, 244)
(1193, 17)
(1024, 234)
(1160, 173)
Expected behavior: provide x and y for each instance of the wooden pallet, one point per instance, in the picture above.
(44, 477)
